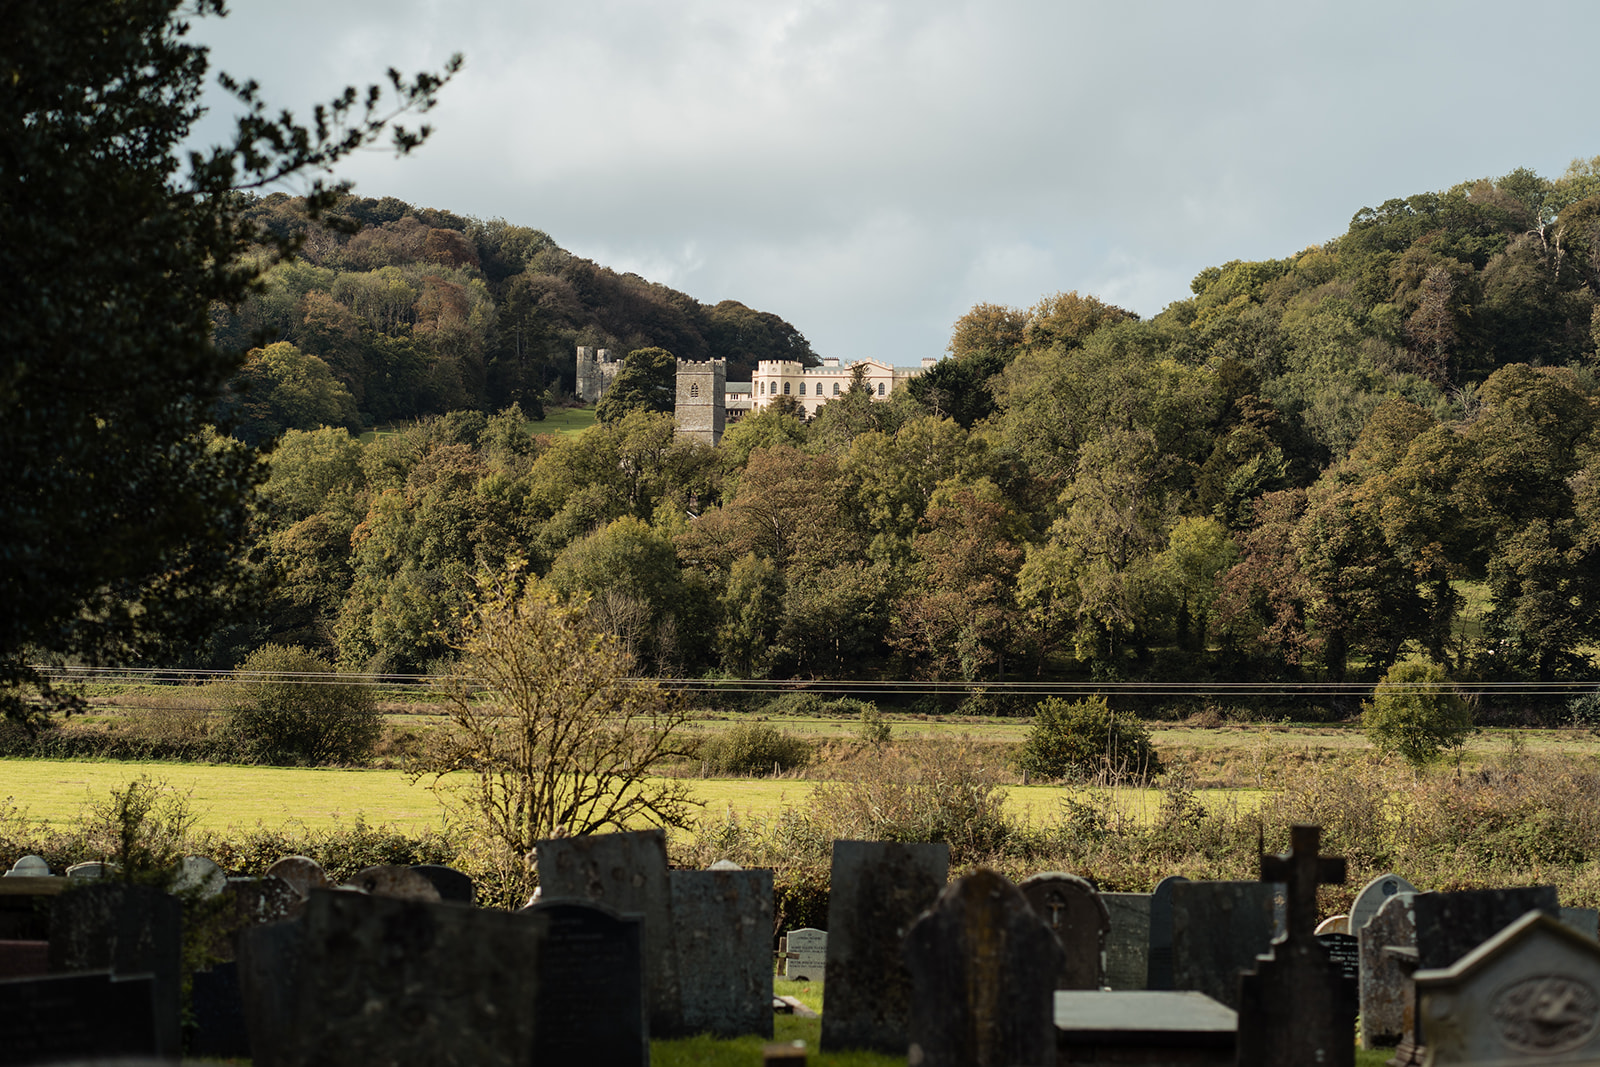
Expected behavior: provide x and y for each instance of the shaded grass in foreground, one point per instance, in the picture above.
(745, 1051)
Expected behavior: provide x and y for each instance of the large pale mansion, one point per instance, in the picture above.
(707, 402)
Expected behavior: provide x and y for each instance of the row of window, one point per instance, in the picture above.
(774, 390)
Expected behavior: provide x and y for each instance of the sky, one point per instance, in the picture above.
(869, 171)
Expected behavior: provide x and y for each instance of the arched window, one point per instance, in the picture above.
(761, 387)
(880, 388)
(785, 388)
(694, 388)
(835, 388)
(802, 388)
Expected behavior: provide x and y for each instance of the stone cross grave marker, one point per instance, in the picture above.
(590, 1003)
(808, 955)
(626, 872)
(984, 968)
(127, 930)
(1073, 910)
(1386, 1001)
(1296, 1006)
(1529, 994)
(1128, 941)
(1158, 974)
(878, 888)
(1218, 930)
(454, 887)
(389, 980)
(1372, 896)
(723, 922)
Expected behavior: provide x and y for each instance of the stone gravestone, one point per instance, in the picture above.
(877, 890)
(200, 875)
(723, 923)
(1218, 930)
(1584, 920)
(1530, 994)
(1073, 910)
(269, 983)
(453, 886)
(1128, 942)
(386, 980)
(1372, 896)
(78, 1017)
(28, 867)
(1296, 1007)
(128, 930)
(301, 872)
(589, 1003)
(808, 955)
(399, 883)
(983, 970)
(626, 872)
(1385, 987)
(1450, 925)
(1159, 972)
(1344, 951)
(217, 1007)
(1150, 1027)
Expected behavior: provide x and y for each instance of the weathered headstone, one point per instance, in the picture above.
(1128, 943)
(724, 865)
(218, 1010)
(723, 923)
(398, 883)
(1530, 994)
(1387, 1006)
(589, 1003)
(1450, 925)
(201, 875)
(983, 970)
(269, 982)
(1218, 930)
(1073, 910)
(877, 890)
(808, 955)
(387, 980)
(1144, 1027)
(78, 1017)
(454, 887)
(90, 869)
(1297, 1006)
(1335, 924)
(1372, 896)
(626, 872)
(128, 930)
(301, 872)
(1159, 972)
(28, 867)
(1584, 920)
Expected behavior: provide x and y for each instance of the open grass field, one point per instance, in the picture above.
(564, 421)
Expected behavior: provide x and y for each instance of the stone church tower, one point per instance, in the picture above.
(702, 407)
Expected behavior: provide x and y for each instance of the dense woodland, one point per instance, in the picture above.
(1299, 471)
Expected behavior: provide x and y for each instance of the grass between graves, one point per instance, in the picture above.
(705, 1051)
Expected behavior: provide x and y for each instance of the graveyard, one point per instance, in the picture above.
(622, 957)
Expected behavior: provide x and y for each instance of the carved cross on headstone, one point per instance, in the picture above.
(1302, 870)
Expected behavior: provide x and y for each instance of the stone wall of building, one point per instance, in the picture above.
(596, 371)
(701, 407)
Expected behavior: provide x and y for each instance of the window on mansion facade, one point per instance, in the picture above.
(880, 388)
(835, 388)
(785, 388)
(802, 388)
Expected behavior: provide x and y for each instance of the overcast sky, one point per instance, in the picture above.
(869, 171)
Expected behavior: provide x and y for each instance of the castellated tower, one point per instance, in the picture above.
(596, 371)
(702, 406)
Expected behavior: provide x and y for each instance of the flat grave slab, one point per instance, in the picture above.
(1143, 1026)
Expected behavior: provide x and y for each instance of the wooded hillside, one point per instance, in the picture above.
(1301, 470)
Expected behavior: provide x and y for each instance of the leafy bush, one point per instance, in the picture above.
(1415, 713)
(1086, 739)
(793, 704)
(1585, 710)
(874, 728)
(281, 713)
(754, 748)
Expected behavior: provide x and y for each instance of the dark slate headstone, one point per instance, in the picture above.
(453, 886)
(1296, 1005)
(218, 1009)
(1450, 925)
(1159, 972)
(626, 872)
(1139, 1026)
(1386, 996)
(128, 930)
(269, 983)
(723, 921)
(589, 989)
(1218, 930)
(24, 959)
(25, 906)
(983, 970)
(78, 1016)
(1128, 943)
(1073, 910)
(1584, 920)
(1372, 896)
(1344, 952)
(877, 890)
(384, 980)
